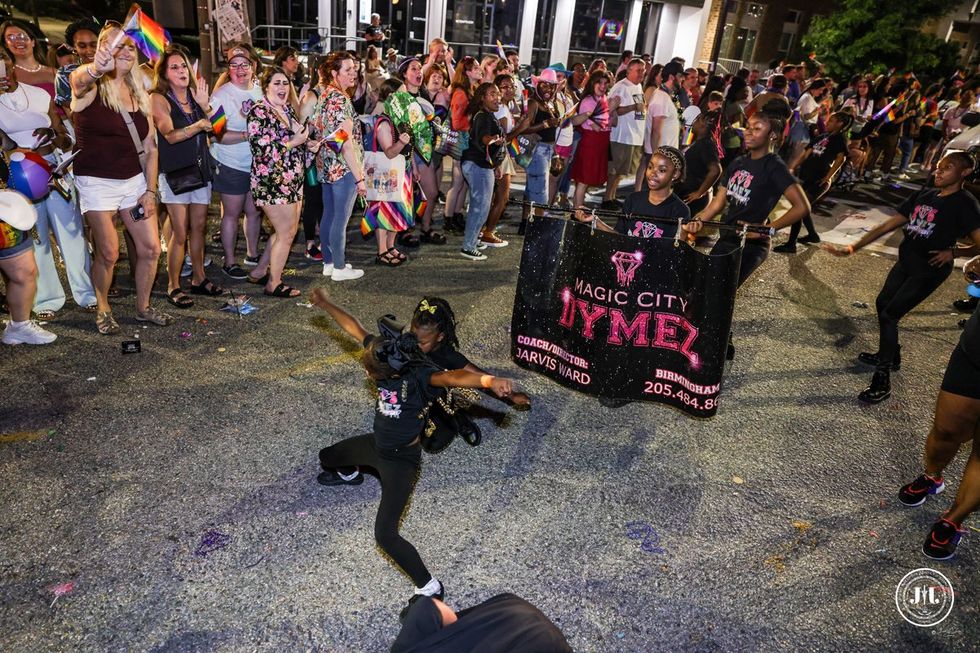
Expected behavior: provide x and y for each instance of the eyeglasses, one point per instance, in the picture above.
(239, 66)
(17, 36)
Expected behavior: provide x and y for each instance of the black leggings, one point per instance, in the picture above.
(398, 470)
(755, 254)
(902, 292)
(813, 193)
(312, 210)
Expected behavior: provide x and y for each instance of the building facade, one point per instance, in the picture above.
(961, 27)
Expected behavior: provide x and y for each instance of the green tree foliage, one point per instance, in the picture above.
(875, 35)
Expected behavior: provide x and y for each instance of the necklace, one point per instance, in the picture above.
(28, 70)
(13, 105)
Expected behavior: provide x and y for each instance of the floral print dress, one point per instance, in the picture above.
(277, 171)
(332, 109)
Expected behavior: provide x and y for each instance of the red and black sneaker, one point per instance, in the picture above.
(942, 540)
(916, 492)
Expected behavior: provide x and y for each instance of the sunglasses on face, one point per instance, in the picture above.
(17, 37)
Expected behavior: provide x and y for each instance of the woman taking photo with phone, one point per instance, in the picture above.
(111, 112)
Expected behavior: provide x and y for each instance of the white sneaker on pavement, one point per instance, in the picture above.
(347, 274)
(27, 333)
(328, 268)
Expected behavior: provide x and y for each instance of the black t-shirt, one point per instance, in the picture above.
(698, 158)
(448, 358)
(374, 30)
(484, 124)
(822, 155)
(935, 223)
(638, 204)
(401, 401)
(754, 186)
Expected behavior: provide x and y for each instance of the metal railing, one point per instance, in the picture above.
(727, 66)
(272, 37)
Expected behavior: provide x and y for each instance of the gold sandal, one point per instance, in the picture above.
(106, 324)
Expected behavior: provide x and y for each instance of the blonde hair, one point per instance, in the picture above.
(135, 79)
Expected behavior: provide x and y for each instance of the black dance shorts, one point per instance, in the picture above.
(962, 376)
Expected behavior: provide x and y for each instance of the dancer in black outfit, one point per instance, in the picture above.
(751, 188)
(933, 220)
(957, 422)
(407, 383)
(434, 325)
(821, 161)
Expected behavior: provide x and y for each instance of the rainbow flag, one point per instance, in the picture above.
(335, 140)
(887, 109)
(689, 138)
(149, 35)
(219, 121)
(566, 120)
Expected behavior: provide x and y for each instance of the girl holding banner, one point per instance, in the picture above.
(751, 188)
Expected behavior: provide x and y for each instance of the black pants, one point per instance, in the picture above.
(814, 191)
(904, 289)
(398, 470)
(312, 210)
(755, 253)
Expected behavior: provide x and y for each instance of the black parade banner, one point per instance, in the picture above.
(623, 317)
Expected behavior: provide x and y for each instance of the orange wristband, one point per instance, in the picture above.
(486, 380)
(850, 249)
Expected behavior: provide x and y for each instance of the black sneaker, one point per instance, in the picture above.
(235, 271)
(468, 430)
(871, 360)
(962, 323)
(331, 477)
(966, 305)
(811, 239)
(252, 261)
(785, 248)
(916, 492)
(942, 540)
(438, 595)
(879, 390)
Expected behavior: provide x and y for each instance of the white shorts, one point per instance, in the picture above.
(199, 196)
(100, 194)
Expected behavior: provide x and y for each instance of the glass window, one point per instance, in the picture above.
(612, 27)
(473, 27)
(464, 24)
(792, 16)
(585, 25)
(755, 10)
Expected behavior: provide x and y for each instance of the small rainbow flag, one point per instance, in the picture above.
(513, 148)
(567, 118)
(335, 140)
(149, 35)
(219, 121)
(689, 138)
(887, 109)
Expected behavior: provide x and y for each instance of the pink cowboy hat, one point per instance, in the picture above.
(548, 76)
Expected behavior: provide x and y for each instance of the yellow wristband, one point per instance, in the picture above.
(486, 380)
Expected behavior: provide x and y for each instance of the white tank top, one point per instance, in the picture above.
(23, 111)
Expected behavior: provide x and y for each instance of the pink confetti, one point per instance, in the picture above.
(60, 590)
(302, 513)
(185, 335)
(882, 504)
(872, 533)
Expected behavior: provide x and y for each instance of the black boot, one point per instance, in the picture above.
(880, 388)
(870, 359)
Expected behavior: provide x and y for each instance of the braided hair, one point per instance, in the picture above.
(435, 312)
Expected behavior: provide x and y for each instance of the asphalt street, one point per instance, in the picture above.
(166, 500)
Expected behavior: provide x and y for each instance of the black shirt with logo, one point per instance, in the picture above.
(485, 156)
(754, 187)
(638, 205)
(935, 223)
(823, 153)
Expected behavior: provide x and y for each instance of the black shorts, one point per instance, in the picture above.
(962, 376)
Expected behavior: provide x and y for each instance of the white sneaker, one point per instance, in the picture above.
(27, 333)
(186, 270)
(346, 274)
(328, 268)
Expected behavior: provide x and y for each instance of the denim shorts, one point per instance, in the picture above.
(537, 173)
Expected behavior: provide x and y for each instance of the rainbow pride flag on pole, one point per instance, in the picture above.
(149, 35)
(335, 140)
